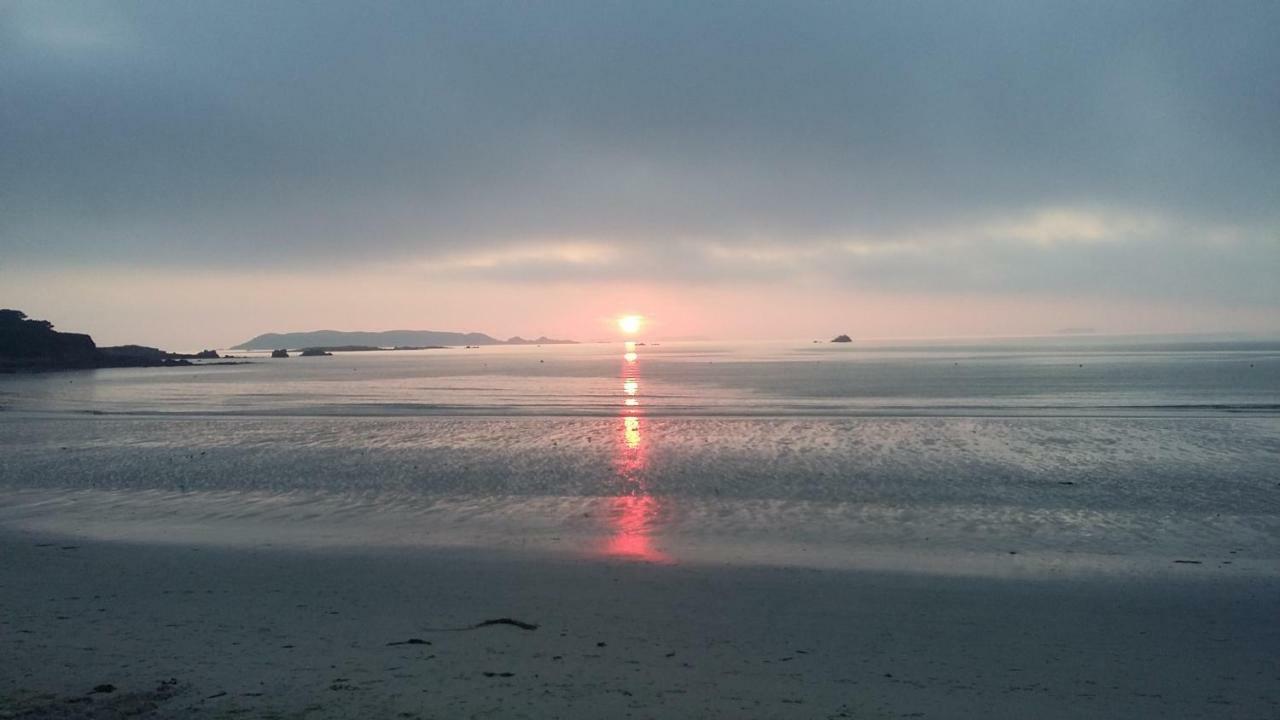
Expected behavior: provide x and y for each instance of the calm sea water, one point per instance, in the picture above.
(1025, 377)
(1064, 451)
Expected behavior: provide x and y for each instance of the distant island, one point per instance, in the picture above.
(329, 351)
(339, 340)
(842, 338)
(33, 345)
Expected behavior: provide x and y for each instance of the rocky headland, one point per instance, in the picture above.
(29, 345)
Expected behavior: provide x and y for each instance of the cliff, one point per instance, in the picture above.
(33, 345)
(26, 343)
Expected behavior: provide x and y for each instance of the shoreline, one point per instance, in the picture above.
(693, 532)
(115, 364)
(323, 633)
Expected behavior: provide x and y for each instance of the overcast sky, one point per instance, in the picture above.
(193, 174)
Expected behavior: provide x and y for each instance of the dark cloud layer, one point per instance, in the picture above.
(302, 134)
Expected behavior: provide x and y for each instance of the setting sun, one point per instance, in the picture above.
(630, 324)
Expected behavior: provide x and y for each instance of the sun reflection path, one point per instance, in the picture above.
(632, 513)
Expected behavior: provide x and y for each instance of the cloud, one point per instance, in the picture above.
(526, 258)
(86, 30)
(1054, 252)
(1008, 146)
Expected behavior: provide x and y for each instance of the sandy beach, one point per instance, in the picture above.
(182, 630)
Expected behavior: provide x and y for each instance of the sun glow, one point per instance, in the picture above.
(630, 324)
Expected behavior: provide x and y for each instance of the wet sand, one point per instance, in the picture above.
(182, 630)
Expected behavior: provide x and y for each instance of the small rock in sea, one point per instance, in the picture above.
(410, 641)
(104, 688)
(600, 644)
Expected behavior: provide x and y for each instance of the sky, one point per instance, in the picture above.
(192, 174)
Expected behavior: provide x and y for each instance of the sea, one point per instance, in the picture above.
(1016, 456)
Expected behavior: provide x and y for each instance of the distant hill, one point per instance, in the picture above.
(387, 339)
(542, 340)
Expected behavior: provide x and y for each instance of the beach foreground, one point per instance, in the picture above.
(198, 630)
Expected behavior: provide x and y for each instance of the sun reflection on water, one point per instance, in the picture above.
(633, 511)
(631, 517)
(631, 432)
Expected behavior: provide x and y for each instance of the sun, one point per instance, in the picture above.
(630, 324)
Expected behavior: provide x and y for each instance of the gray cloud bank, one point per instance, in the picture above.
(1017, 146)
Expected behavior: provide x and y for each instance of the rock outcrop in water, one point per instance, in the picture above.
(842, 339)
(313, 352)
(33, 345)
(138, 356)
(279, 353)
